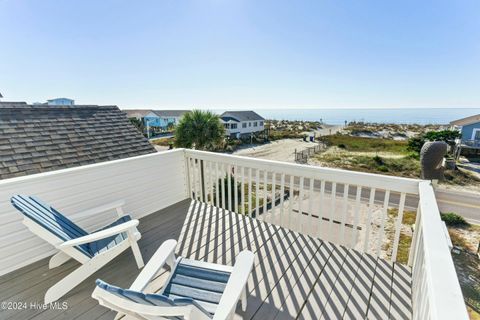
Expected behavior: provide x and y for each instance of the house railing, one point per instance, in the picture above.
(357, 210)
(436, 293)
(471, 143)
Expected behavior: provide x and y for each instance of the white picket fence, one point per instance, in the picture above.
(349, 208)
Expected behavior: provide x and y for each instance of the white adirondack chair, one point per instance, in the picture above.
(92, 250)
(194, 290)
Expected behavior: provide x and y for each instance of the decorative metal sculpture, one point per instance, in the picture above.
(431, 160)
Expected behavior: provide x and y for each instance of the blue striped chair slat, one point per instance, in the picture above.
(203, 284)
(50, 219)
(151, 299)
(64, 228)
(107, 243)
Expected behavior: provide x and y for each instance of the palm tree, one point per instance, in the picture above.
(198, 129)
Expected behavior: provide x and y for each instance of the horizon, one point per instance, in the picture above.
(238, 54)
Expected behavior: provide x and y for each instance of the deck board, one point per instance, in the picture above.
(294, 275)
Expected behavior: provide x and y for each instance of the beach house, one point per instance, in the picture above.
(240, 124)
(469, 143)
(61, 102)
(470, 129)
(156, 120)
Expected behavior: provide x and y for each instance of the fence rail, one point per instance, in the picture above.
(303, 155)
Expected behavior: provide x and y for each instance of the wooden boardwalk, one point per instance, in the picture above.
(294, 276)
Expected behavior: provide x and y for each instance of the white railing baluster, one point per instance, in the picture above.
(398, 226)
(189, 173)
(222, 172)
(300, 204)
(217, 187)
(257, 190)
(344, 213)
(332, 208)
(321, 208)
(194, 173)
(235, 183)
(368, 224)
(249, 195)
(202, 181)
(382, 221)
(243, 190)
(274, 187)
(208, 178)
(265, 193)
(310, 206)
(290, 202)
(282, 195)
(414, 245)
(356, 218)
(229, 187)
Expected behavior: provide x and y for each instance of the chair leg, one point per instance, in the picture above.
(72, 280)
(244, 299)
(137, 254)
(58, 259)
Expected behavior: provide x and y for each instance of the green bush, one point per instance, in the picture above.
(453, 219)
(415, 143)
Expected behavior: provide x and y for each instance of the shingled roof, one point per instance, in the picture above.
(39, 138)
(242, 115)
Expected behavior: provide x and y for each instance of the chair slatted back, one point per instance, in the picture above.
(50, 219)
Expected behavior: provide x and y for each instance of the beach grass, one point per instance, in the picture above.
(404, 166)
(363, 144)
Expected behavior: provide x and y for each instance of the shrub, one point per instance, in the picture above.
(415, 144)
(378, 160)
(453, 219)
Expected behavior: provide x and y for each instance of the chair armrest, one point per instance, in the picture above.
(102, 234)
(105, 207)
(236, 283)
(156, 262)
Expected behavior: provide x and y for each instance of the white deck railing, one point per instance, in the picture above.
(350, 208)
(436, 293)
(344, 207)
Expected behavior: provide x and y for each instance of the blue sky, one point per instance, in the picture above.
(242, 54)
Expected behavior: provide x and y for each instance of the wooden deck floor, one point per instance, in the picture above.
(294, 276)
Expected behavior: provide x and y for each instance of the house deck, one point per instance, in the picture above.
(294, 276)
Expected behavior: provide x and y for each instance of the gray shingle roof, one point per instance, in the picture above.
(39, 138)
(242, 115)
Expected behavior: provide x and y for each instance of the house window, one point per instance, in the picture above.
(233, 126)
(226, 125)
(244, 125)
(249, 124)
(255, 124)
(261, 123)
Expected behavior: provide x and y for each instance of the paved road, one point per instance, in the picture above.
(466, 204)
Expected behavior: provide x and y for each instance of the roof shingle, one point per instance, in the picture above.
(39, 138)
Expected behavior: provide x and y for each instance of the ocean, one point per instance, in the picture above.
(338, 116)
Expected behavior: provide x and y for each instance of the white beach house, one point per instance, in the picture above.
(240, 124)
